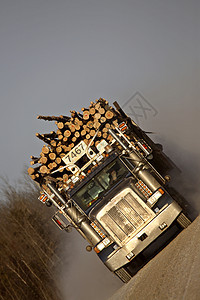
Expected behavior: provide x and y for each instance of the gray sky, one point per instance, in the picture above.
(59, 55)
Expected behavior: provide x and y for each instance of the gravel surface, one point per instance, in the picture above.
(173, 274)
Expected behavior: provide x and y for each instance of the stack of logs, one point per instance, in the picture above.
(96, 120)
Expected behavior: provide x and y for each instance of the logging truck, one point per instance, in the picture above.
(111, 182)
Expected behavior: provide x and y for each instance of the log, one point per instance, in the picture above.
(71, 145)
(68, 149)
(109, 137)
(67, 133)
(115, 123)
(97, 116)
(109, 115)
(74, 139)
(77, 134)
(58, 149)
(80, 116)
(43, 138)
(96, 124)
(91, 143)
(92, 132)
(86, 141)
(90, 124)
(65, 148)
(86, 115)
(92, 111)
(83, 132)
(77, 126)
(53, 118)
(54, 165)
(78, 121)
(97, 105)
(34, 160)
(60, 137)
(66, 118)
(103, 119)
(99, 134)
(101, 110)
(34, 157)
(45, 150)
(53, 143)
(65, 177)
(44, 170)
(60, 125)
(104, 135)
(50, 166)
(43, 160)
(62, 155)
(83, 108)
(72, 127)
(50, 135)
(35, 176)
(31, 171)
(105, 129)
(65, 139)
(75, 115)
(86, 128)
(58, 160)
(52, 156)
(58, 132)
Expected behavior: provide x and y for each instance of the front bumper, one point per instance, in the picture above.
(144, 237)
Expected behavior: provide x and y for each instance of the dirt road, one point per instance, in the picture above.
(174, 274)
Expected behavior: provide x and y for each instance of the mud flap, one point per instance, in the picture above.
(183, 221)
(123, 275)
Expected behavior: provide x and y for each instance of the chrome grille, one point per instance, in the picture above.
(125, 216)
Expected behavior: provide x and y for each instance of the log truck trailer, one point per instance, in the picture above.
(117, 196)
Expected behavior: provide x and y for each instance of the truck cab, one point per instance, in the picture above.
(128, 214)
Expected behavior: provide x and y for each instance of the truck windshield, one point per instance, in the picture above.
(100, 183)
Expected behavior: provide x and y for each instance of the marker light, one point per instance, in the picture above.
(96, 228)
(43, 198)
(122, 126)
(143, 189)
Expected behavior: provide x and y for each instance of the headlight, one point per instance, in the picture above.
(154, 198)
(103, 244)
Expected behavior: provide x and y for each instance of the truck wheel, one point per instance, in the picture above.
(123, 275)
(183, 221)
